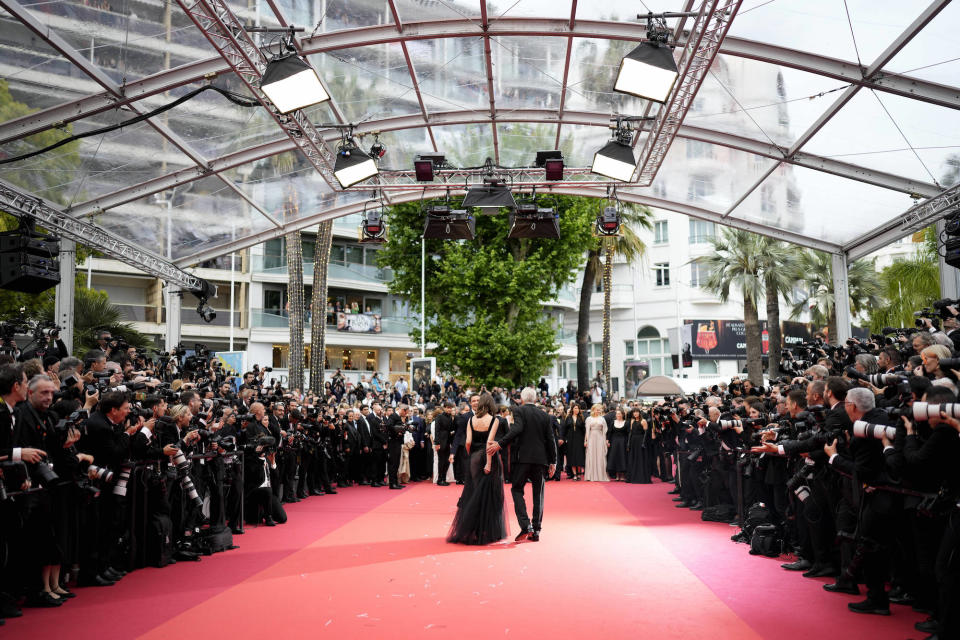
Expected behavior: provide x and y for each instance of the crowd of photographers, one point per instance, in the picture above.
(852, 462)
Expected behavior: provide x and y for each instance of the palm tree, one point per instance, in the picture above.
(630, 247)
(737, 262)
(815, 273)
(318, 306)
(778, 270)
(908, 285)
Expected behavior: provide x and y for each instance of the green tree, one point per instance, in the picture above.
(815, 274)
(628, 246)
(318, 305)
(736, 263)
(485, 296)
(778, 270)
(908, 285)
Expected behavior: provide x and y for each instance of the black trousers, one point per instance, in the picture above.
(460, 464)
(393, 461)
(443, 463)
(522, 473)
(561, 455)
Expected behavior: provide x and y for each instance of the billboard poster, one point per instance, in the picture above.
(634, 372)
(422, 371)
(726, 339)
(358, 322)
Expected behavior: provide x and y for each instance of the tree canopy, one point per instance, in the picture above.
(484, 296)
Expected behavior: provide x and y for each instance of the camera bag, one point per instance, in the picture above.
(757, 514)
(719, 513)
(765, 541)
(159, 540)
(218, 538)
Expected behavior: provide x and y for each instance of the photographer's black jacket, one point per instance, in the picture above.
(866, 454)
(940, 454)
(108, 443)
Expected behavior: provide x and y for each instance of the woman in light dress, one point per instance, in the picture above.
(596, 444)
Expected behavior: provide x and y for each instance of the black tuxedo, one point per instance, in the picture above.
(460, 458)
(443, 432)
(534, 447)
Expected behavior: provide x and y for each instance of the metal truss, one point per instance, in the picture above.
(913, 219)
(241, 53)
(22, 204)
(703, 43)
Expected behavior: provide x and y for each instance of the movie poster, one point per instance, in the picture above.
(358, 322)
(422, 371)
(634, 372)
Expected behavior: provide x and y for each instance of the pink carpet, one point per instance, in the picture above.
(615, 561)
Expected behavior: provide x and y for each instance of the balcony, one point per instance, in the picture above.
(278, 319)
(621, 296)
(566, 337)
(277, 266)
(702, 238)
(188, 315)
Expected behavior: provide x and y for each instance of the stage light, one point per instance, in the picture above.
(372, 229)
(206, 311)
(531, 221)
(425, 164)
(608, 222)
(353, 165)
(489, 197)
(615, 160)
(649, 71)
(449, 224)
(377, 150)
(291, 83)
(552, 162)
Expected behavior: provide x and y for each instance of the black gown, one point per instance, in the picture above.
(640, 459)
(574, 432)
(479, 518)
(617, 453)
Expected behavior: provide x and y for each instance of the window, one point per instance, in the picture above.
(707, 367)
(274, 254)
(629, 347)
(660, 232)
(698, 149)
(701, 231)
(660, 189)
(698, 273)
(768, 203)
(655, 350)
(661, 272)
(701, 187)
(595, 361)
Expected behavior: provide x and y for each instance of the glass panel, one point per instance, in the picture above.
(707, 367)
(591, 77)
(579, 142)
(452, 73)
(446, 10)
(519, 142)
(289, 188)
(824, 31)
(209, 214)
(531, 8)
(656, 367)
(528, 72)
(370, 82)
(643, 347)
(925, 57)
(466, 145)
(863, 134)
(629, 347)
(823, 206)
(759, 100)
(354, 254)
(402, 147)
(623, 10)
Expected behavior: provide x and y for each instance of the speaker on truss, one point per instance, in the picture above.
(28, 260)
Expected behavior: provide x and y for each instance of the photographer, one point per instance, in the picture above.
(260, 476)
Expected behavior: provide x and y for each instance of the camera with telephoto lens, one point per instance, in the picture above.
(120, 489)
(266, 444)
(101, 474)
(45, 474)
(925, 411)
(863, 429)
(798, 483)
(182, 465)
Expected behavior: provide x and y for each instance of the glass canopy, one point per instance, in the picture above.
(819, 121)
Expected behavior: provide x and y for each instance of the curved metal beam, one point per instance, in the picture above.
(842, 70)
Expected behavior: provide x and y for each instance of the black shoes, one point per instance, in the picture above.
(869, 606)
(696, 506)
(534, 537)
(927, 626)
(43, 599)
(396, 486)
(443, 484)
(674, 492)
(840, 587)
(269, 521)
(822, 571)
(95, 581)
(523, 536)
(331, 490)
(677, 499)
(799, 565)
(459, 481)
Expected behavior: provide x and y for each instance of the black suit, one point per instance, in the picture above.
(460, 458)
(367, 459)
(534, 448)
(443, 431)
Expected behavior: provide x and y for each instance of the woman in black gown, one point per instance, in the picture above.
(639, 467)
(479, 518)
(617, 453)
(574, 432)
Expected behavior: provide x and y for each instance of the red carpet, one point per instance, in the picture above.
(614, 561)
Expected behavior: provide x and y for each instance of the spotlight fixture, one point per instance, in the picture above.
(552, 162)
(290, 82)
(372, 229)
(649, 71)
(377, 150)
(531, 221)
(352, 165)
(424, 166)
(615, 160)
(449, 224)
(206, 311)
(489, 197)
(608, 221)
(204, 293)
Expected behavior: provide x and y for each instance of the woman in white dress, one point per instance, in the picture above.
(596, 444)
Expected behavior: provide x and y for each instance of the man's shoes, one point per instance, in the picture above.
(523, 536)
(10, 610)
(677, 499)
(799, 565)
(111, 574)
(95, 581)
(443, 484)
(302, 496)
(929, 625)
(696, 506)
(822, 571)
(684, 504)
(459, 481)
(869, 606)
(237, 531)
(376, 484)
(900, 597)
(317, 492)
(396, 486)
(673, 493)
(839, 587)
(534, 537)
(269, 521)
(333, 491)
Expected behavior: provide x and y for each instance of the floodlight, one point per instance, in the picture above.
(206, 311)
(608, 222)
(648, 72)
(372, 229)
(615, 160)
(353, 165)
(449, 224)
(291, 83)
(424, 165)
(489, 197)
(531, 221)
